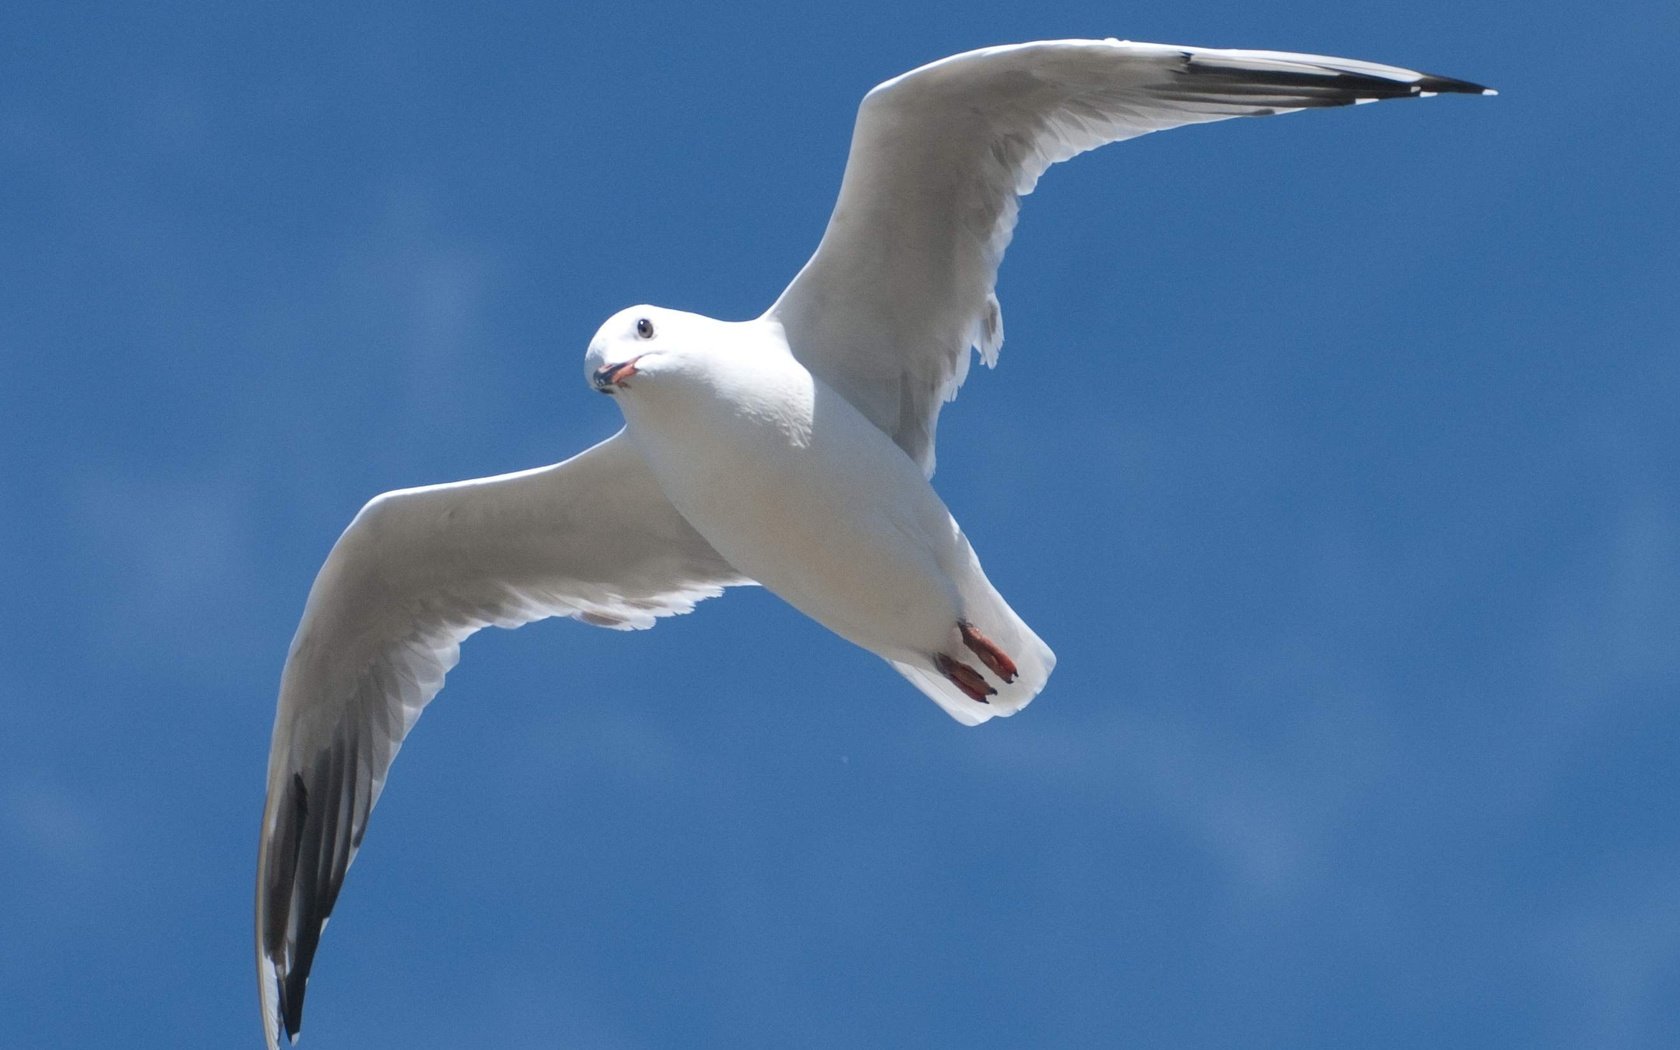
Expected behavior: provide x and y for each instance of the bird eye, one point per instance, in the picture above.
(644, 328)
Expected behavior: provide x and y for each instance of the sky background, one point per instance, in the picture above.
(1351, 512)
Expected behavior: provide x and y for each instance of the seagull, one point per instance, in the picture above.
(791, 451)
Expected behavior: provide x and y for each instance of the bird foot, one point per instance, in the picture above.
(995, 659)
(964, 677)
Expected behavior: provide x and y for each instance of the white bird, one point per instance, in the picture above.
(792, 450)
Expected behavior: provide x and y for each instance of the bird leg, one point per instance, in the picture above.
(964, 677)
(995, 659)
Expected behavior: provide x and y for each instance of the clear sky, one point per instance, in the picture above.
(1336, 455)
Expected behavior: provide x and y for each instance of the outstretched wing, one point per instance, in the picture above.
(901, 286)
(416, 572)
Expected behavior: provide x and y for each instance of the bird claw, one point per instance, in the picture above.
(995, 659)
(964, 677)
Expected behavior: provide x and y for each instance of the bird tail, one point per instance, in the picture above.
(991, 617)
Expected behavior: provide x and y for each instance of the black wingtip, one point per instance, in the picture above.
(323, 815)
(1272, 90)
(1434, 85)
(291, 1010)
(294, 809)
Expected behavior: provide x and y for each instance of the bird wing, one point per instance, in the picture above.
(901, 286)
(416, 572)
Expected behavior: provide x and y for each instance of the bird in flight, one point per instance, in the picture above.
(791, 451)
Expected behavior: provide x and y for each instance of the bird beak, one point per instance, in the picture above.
(608, 378)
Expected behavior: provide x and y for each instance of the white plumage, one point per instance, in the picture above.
(792, 450)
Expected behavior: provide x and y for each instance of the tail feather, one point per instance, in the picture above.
(1034, 660)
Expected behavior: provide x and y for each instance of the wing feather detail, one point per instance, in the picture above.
(416, 572)
(901, 288)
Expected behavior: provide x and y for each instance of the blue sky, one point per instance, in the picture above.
(1352, 516)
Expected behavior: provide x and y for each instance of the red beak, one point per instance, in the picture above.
(608, 378)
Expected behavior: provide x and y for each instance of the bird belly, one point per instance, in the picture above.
(831, 516)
